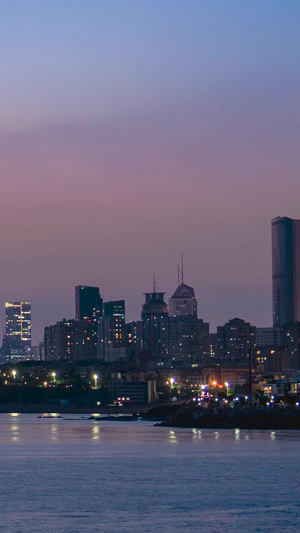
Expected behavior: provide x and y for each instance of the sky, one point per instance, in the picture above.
(133, 131)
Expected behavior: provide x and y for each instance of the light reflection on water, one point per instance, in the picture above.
(74, 474)
(96, 432)
(172, 436)
(15, 433)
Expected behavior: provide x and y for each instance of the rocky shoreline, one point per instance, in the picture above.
(191, 416)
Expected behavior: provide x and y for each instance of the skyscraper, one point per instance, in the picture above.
(114, 330)
(183, 302)
(17, 339)
(155, 324)
(88, 302)
(188, 335)
(89, 308)
(286, 270)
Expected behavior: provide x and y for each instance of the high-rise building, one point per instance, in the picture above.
(115, 342)
(72, 340)
(188, 339)
(183, 302)
(188, 335)
(235, 339)
(89, 307)
(155, 324)
(268, 336)
(286, 270)
(17, 339)
(88, 303)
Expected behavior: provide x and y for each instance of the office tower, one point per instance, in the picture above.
(286, 270)
(188, 335)
(17, 339)
(183, 302)
(235, 339)
(89, 307)
(155, 324)
(115, 345)
(88, 303)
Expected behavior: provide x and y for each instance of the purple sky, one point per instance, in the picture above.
(132, 131)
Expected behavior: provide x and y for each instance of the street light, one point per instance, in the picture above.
(96, 380)
(227, 385)
(14, 373)
(172, 381)
(53, 374)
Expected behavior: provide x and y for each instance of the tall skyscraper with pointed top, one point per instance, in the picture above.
(183, 302)
(188, 334)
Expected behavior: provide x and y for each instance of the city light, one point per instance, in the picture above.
(171, 381)
(14, 373)
(96, 380)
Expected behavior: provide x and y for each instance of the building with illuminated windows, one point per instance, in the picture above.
(17, 339)
(235, 339)
(71, 340)
(115, 342)
(89, 308)
(155, 325)
(188, 335)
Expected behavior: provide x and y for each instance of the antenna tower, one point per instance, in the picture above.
(180, 271)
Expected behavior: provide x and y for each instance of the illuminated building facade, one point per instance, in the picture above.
(17, 339)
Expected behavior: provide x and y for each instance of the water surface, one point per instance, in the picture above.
(76, 475)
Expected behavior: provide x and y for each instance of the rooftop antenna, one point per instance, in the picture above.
(180, 271)
(154, 286)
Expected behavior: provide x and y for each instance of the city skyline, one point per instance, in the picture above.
(284, 252)
(74, 314)
(131, 133)
(150, 265)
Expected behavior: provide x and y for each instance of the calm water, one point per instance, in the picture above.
(82, 476)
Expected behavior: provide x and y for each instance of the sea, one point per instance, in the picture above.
(72, 474)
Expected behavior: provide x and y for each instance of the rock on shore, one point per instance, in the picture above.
(273, 417)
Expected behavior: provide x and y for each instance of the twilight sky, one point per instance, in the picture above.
(133, 130)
